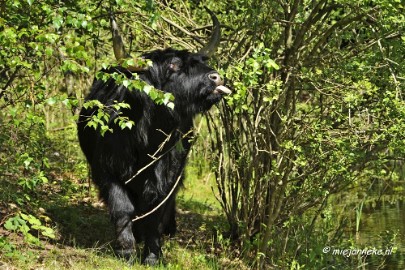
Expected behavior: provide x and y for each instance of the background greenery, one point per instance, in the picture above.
(313, 132)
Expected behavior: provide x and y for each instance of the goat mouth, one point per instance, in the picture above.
(222, 90)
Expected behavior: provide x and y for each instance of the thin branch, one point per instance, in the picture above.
(10, 80)
(316, 14)
(162, 202)
(389, 64)
(154, 158)
(344, 22)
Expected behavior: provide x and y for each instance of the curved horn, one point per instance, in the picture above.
(118, 44)
(213, 43)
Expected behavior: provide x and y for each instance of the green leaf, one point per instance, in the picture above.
(170, 105)
(272, 64)
(27, 162)
(31, 219)
(51, 101)
(48, 232)
(10, 225)
(126, 83)
(67, 103)
(57, 21)
(48, 51)
(147, 88)
(129, 124)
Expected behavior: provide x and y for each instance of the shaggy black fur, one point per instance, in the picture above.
(116, 157)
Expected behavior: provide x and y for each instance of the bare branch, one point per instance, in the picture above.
(162, 202)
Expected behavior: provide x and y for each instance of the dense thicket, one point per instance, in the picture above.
(318, 110)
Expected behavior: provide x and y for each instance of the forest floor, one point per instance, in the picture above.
(84, 235)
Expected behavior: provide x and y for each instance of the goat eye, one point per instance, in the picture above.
(175, 64)
(174, 67)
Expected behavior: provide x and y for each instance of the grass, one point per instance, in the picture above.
(84, 235)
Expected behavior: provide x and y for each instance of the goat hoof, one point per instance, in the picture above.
(152, 259)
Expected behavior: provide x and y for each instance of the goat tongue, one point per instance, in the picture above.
(223, 90)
